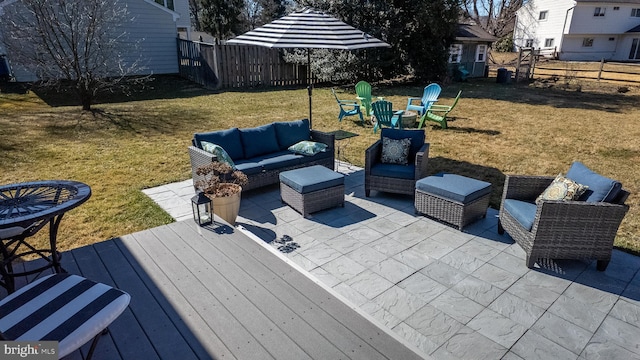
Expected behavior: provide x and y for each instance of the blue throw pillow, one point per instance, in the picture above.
(417, 139)
(292, 132)
(600, 188)
(229, 140)
(259, 140)
(308, 148)
(219, 152)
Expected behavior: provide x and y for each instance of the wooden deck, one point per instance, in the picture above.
(217, 294)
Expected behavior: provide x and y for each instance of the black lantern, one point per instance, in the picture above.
(202, 209)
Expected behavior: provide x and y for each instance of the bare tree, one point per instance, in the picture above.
(497, 17)
(78, 41)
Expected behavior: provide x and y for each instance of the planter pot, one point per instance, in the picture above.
(227, 207)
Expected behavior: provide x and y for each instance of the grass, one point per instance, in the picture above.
(496, 129)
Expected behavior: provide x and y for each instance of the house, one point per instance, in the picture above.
(581, 30)
(470, 49)
(154, 26)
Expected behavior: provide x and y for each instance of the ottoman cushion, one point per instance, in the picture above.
(312, 178)
(454, 187)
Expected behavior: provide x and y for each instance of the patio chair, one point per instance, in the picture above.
(62, 307)
(429, 96)
(385, 115)
(363, 90)
(386, 169)
(563, 229)
(348, 108)
(438, 113)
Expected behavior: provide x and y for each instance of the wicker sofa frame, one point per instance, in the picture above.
(562, 229)
(200, 157)
(389, 184)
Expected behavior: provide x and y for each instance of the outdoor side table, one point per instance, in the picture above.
(25, 208)
(452, 198)
(312, 189)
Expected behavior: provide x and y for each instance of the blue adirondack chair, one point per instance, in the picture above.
(429, 96)
(385, 116)
(348, 108)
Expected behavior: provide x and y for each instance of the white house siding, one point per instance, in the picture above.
(613, 21)
(529, 27)
(182, 8)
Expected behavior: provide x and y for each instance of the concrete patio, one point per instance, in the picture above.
(454, 295)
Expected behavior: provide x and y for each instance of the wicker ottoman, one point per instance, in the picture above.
(311, 189)
(451, 198)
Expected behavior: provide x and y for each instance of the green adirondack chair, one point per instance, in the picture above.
(363, 90)
(438, 113)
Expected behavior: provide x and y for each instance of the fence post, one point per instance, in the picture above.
(601, 66)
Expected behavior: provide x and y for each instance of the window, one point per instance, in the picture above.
(481, 53)
(528, 43)
(599, 11)
(548, 42)
(616, 8)
(635, 12)
(455, 53)
(587, 42)
(634, 54)
(612, 39)
(165, 3)
(543, 15)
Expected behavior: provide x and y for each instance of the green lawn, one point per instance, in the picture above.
(130, 145)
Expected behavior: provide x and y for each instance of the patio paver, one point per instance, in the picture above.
(462, 295)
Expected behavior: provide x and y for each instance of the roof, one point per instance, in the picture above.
(634, 30)
(473, 32)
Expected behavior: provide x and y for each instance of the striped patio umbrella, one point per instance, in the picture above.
(308, 29)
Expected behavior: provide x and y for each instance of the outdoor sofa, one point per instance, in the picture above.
(263, 152)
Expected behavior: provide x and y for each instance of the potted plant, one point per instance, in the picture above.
(223, 185)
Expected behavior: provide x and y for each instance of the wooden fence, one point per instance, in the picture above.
(610, 71)
(236, 66)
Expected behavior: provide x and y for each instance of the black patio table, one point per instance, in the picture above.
(25, 208)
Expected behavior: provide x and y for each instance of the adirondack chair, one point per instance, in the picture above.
(385, 116)
(363, 90)
(438, 113)
(429, 96)
(348, 108)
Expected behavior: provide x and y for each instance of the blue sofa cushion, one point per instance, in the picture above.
(524, 212)
(394, 171)
(454, 187)
(249, 166)
(292, 132)
(259, 140)
(312, 178)
(278, 160)
(417, 139)
(600, 188)
(229, 139)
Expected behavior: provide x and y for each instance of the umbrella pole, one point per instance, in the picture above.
(309, 86)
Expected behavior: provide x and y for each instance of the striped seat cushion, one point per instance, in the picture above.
(62, 307)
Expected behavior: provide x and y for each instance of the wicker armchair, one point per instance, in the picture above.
(386, 177)
(562, 229)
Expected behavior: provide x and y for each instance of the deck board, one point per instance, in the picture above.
(217, 294)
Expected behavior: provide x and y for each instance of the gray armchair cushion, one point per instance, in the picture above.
(259, 140)
(229, 139)
(394, 171)
(524, 212)
(292, 132)
(600, 188)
